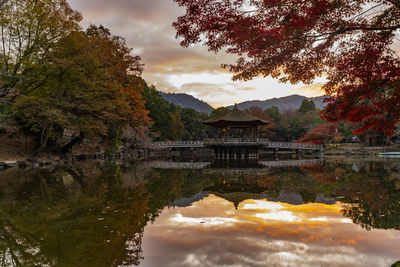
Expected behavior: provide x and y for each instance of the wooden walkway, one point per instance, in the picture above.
(229, 142)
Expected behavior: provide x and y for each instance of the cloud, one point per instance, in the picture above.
(247, 89)
(205, 89)
(312, 89)
(147, 27)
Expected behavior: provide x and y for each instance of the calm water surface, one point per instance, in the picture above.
(331, 213)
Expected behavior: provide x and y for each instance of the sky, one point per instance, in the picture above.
(147, 27)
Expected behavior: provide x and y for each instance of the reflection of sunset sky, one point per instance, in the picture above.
(259, 233)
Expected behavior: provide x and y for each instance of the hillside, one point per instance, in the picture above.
(187, 101)
(283, 103)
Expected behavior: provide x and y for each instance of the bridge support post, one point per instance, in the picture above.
(297, 154)
(275, 153)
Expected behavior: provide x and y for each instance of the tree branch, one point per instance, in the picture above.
(350, 29)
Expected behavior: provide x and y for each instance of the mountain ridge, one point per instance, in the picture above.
(285, 103)
(187, 101)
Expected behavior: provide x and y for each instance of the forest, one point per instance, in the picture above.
(61, 84)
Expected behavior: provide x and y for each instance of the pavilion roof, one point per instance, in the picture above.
(236, 116)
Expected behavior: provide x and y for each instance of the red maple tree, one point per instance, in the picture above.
(320, 134)
(348, 41)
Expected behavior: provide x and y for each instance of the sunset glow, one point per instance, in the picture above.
(146, 25)
(271, 231)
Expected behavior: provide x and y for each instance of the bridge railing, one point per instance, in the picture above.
(166, 144)
(263, 142)
(231, 141)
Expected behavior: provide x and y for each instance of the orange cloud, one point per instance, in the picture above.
(311, 90)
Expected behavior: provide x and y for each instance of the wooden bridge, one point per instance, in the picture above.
(234, 142)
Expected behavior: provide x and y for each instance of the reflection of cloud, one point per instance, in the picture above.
(213, 221)
(246, 240)
(285, 216)
(263, 205)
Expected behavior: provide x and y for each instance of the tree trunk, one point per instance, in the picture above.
(43, 142)
(76, 140)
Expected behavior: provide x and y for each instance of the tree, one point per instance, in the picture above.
(29, 30)
(274, 113)
(167, 123)
(307, 106)
(194, 128)
(321, 134)
(349, 41)
(177, 129)
(218, 112)
(266, 130)
(91, 86)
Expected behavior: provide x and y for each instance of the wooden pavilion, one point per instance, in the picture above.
(237, 131)
(236, 123)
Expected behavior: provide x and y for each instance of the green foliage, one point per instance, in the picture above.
(218, 112)
(114, 137)
(294, 124)
(346, 130)
(307, 106)
(194, 128)
(5, 112)
(30, 30)
(159, 112)
(172, 122)
(85, 88)
(274, 113)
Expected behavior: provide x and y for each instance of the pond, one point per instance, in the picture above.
(342, 212)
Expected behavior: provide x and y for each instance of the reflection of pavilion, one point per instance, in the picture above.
(238, 187)
(258, 193)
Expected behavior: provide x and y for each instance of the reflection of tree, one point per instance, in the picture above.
(94, 221)
(296, 180)
(372, 200)
(167, 186)
(102, 225)
(90, 217)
